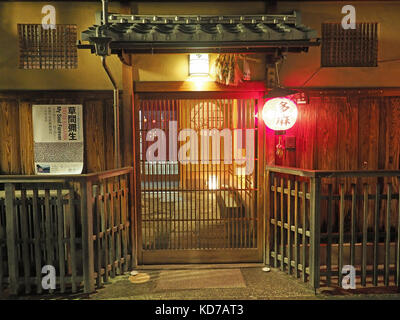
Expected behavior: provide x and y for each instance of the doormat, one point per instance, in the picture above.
(200, 279)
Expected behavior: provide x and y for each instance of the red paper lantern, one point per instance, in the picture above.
(279, 114)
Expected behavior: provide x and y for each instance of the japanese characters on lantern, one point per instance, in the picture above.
(279, 114)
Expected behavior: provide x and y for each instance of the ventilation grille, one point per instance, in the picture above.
(47, 49)
(349, 47)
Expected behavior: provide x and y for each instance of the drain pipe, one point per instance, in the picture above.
(116, 113)
(104, 5)
(116, 92)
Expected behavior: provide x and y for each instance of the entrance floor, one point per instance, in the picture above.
(245, 283)
(219, 283)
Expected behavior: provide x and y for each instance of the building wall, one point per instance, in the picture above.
(296, 71)
(89, 74)
(332, 132)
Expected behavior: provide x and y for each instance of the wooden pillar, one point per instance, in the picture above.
(126, 114)
(11, 238)
(315, 229)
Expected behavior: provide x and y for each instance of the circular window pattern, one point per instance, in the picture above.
(206, 115)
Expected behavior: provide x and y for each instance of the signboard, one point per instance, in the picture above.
(58, 139)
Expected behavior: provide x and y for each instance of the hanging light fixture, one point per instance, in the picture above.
(279, 114)
(199, 64)
(280, 111)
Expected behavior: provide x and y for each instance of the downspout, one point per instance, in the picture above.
(116, 92)
(116, 113)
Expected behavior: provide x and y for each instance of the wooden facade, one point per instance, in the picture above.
(336, 130)
(345, 130)
(16, 129)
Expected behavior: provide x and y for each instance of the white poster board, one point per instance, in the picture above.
(58, 139)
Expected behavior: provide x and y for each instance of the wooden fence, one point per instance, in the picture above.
(319, 221)
(82, 225)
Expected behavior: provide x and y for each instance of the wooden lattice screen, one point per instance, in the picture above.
(349, 47)
(41, 48)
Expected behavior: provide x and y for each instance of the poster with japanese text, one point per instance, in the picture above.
(58, 139)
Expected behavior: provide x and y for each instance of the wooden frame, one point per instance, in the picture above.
(211, 90)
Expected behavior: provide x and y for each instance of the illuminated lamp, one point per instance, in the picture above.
(279, 114)
(213, 183)
(199, 64)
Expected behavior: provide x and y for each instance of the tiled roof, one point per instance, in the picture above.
(168, 33)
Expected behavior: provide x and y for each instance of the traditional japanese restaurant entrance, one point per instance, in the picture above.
(198, 211)
(215, 171)
(203, 209)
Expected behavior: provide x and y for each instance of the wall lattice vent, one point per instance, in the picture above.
(41, 48)
(349, 47)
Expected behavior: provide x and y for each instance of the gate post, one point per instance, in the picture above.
(267, 219)
(11, 238)
(315, 229)
(133, 221)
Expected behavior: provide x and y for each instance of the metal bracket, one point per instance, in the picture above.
(101, 45)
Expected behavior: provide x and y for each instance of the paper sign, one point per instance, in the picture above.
(58, 139)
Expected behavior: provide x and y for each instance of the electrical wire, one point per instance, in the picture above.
(312, 76)
(316, 71)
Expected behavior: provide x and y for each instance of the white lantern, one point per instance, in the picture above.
(279, 114)
(199, 64)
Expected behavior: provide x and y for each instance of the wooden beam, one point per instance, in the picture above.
(192, 86)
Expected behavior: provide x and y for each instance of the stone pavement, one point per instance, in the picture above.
(249, 283)
(253, 284)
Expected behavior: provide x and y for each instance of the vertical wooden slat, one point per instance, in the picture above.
(341, 234)
(25, 239)
(398, 241)
(97, 232)
(267, 219)
(296, 229)
(72, 239)
(87, 235)
(117, 215)
(124, 221)
(387, 234)
(110, 214)
(276, 222)
(315, 231)
(133, 219)
(13, 273)
(60, 234)
(37, 241)
(2, 243)
(48, 229)
(353, 225)
(304, 187)
(376, 233)
(364, 237)
(289, 224)
(329, 231)
(282, 220)
(104, 228)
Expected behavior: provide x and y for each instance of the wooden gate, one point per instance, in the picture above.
(197, 180)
